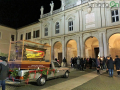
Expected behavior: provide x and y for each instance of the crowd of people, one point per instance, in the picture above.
(82, 63)
(99, 63)
(109, 65)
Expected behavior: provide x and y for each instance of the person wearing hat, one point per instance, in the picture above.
(110, 64)
(117, 63)
(4, 70)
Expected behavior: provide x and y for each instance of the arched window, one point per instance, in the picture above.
(57, 28)
(70, 24)
(46, 31)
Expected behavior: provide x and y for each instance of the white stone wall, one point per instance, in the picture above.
(96, 23)
(6, 33)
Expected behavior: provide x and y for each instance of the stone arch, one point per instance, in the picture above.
(56, 40)
(47, 53)
(114, 45)
(45, 42)
(71, 50)
(67, 39)
(112, 33)
(91, 47)
(57, 48)
(88, 35)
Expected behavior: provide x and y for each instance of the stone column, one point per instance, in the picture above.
(41, 29)
(24, 35)
(82, 46)
(105, 44)
(52, 49)
(81, 19)
(78, 45)
(101, 44)
(63, 47)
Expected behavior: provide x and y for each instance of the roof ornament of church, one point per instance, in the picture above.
(52, 7)
(63, 4)
(41, 10)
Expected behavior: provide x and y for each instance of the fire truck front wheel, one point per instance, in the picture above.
(41, 81)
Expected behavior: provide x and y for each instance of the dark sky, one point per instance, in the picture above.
(18, 13)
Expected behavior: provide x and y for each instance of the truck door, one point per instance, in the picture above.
(57, 67)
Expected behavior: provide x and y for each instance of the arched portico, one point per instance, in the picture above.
(71, 47)
(114, 45)
(47, 56)
(58, 51)
(91, 47)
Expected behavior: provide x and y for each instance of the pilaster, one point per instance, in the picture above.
(101, 44)
(63, 47)
(52, 49)
(78, 45)
(82, 46)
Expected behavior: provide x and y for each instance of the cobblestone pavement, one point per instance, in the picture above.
(101, 82)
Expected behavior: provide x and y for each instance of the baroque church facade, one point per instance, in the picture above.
(77, 29)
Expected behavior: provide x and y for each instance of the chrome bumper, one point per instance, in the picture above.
(15, 82)
(12, 82)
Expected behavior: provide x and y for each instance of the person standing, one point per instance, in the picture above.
(90, 63)
(85, 63)
(117, 63)
(71, 62)
(55, 59)
(110, 66)
(64, 62)
(104, 63)
(4, 70)
(78, 62)
(82, 63)
(101, 63)
(98, 64)
(75, 62)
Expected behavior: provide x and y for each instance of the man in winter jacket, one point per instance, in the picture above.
(78, 63)
(117, 63)
(3, 72)
(110, 66)
(90, 63)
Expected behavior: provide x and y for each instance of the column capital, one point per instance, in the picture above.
(62, 37)
(102, 30)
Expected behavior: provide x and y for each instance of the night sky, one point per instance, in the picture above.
(19, 13)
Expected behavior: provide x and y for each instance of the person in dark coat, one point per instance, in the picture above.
(75, 61)
(101, 63)
(104, 63)
(85, 63)
(71, 62)
(4, 70)
(78, 63)
(98, 64)
(55, 59)
(64, 62)
(82, 63)
(117, 63)
(90, 63)
(110, 66)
